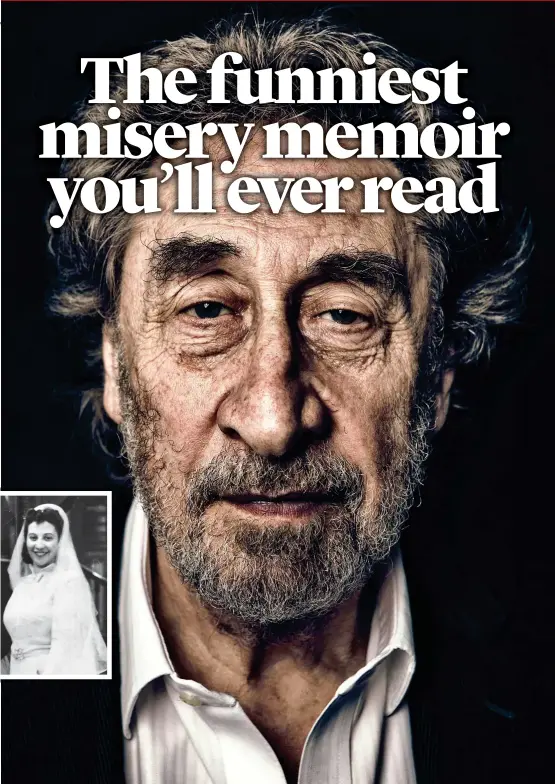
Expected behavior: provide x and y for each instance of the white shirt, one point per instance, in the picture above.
(178, 732)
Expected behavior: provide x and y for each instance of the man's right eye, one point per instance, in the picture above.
(207, 310)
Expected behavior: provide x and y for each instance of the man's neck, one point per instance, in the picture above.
(283, 677)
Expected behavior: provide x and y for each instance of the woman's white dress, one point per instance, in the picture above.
(50, 618)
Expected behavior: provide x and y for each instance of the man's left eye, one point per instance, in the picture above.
(343, 316)
(207, 310)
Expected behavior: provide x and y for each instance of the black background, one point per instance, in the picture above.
(478, 552)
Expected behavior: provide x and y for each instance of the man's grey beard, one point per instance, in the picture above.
(265, 575)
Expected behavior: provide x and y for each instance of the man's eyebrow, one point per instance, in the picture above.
(186, 255)
(378, 270)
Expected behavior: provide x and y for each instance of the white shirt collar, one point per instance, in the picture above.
(143, 652)
(144, 656)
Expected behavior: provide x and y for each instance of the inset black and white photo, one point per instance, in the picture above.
(56, 584)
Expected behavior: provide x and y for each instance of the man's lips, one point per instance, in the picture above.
(292, 505)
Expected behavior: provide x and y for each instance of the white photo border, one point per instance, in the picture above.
(107, 494)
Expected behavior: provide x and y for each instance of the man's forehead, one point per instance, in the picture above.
(258, 234)
(290, 249)
(288, 239)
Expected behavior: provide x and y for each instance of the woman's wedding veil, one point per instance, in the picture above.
(77, 644)
(67, 557)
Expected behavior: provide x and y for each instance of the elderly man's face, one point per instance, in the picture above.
(264, 372)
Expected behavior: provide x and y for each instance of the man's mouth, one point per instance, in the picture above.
(295, 505)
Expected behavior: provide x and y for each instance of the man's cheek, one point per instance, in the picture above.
(185, 406)
(359, 439)
(372, 419)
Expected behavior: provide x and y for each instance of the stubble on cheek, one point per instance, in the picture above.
(160, 446)
(142, 426)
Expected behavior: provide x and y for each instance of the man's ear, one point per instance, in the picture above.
(443, 398)
(111, 375)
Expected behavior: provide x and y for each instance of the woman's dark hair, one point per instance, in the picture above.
(40, 516)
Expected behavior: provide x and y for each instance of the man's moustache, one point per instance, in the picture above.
(316, 475)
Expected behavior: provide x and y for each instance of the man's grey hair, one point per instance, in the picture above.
(477, 260)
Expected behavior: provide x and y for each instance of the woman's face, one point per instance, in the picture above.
(42, 543)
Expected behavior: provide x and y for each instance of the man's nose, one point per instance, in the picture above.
(271, 407)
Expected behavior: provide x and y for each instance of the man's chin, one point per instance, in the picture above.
(263, 577)
(267, 615)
